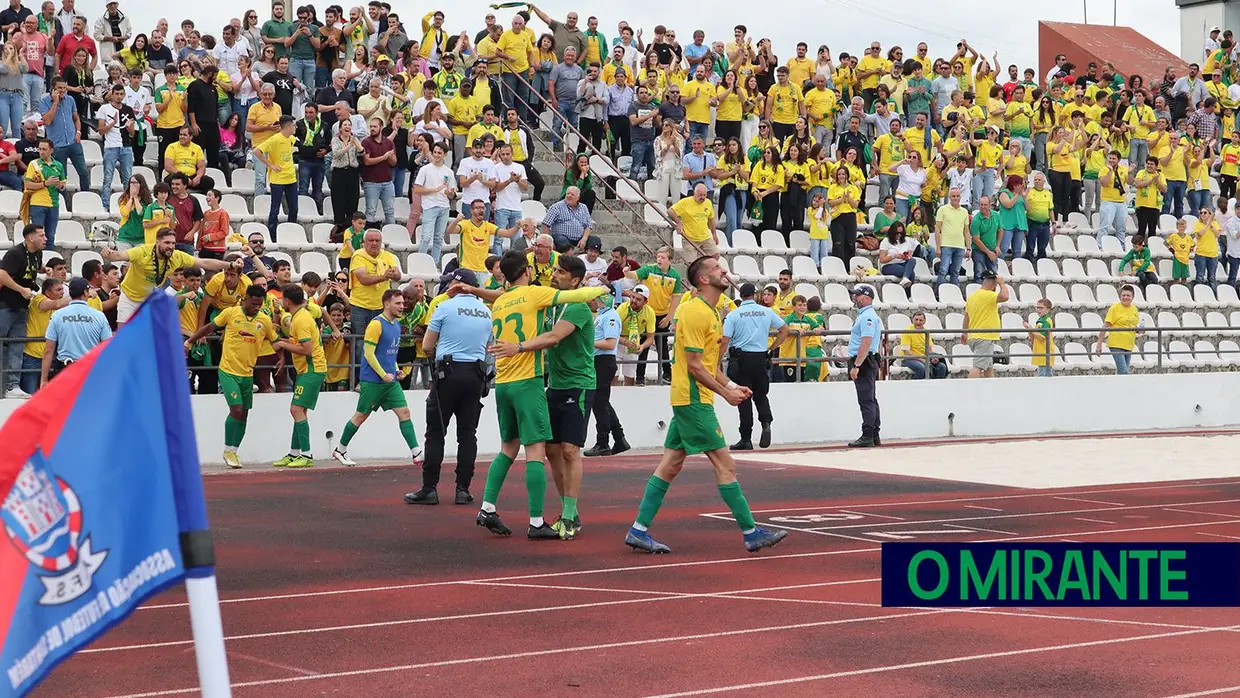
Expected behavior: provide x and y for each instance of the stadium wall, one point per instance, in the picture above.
(804, 413)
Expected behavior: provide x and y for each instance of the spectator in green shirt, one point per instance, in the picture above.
(1139, 258)
(984, 231)
(276, 30)
(1013, 220)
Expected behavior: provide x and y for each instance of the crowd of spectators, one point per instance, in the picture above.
(361, 108)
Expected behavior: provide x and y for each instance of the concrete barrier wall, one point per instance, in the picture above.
(804, 413)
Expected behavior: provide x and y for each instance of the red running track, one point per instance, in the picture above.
(332, 585)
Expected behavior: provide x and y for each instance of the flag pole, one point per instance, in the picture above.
(197, 546)
(205, 622)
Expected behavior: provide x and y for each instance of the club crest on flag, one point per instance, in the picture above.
(43, 519)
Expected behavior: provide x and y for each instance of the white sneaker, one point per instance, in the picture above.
(342, 458)
(17, 394)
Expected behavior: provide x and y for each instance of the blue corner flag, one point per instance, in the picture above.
(103, 503)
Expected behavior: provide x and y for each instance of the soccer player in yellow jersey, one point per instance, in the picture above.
(305, 343)
(694, 427)
(520, 399)
(150, 266)
(244, 327)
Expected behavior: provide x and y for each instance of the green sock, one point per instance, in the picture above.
(495, 478)
(406, 430)
(570, 508)
(536, 486)
(656, 488)
(301, 436)
(238, 432)
(735, 499)
(349, 430)
(230, 433)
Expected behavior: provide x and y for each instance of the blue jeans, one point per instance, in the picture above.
(983, 185)
(504, 219)
(643, 155)
(225, 109)
(1233, 266)
(1039, 238)
(379, 193)
(11, 180)
(1123, 361)
(1175, 193)
(1012, 242)
(112, 157)
(981, 263)
(918, 367)
(903, 207)
(906, 268)
(310, 180)
(73, 153)
(1207, 270)
(819, 250)
(568, 114)
(288, 192)
(434, 223)
(48, 217)
(12, 108)
(1199, 199)
(1046, 371)
(733, 206)
(32, 85)
(13, 326)
(1113, 220)
(515, 95)
(303, 70)
(260, 176)
(31, 366)
(950, 261)
(359, 318)
(400, 180)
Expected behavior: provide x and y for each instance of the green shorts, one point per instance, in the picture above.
(523, 413)
(238, 390)
(1180, 271)
(694, 429)
(810, 372)
(306, 389)
(380, 396)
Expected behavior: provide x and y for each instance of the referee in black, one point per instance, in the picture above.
(746, 341)
(457, 336)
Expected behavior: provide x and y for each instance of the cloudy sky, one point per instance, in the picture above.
(1010, 27)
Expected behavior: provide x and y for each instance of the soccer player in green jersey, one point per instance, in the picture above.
(305, 343)
(569, 344)
(519, 314)
(379, 387)
(694, 427)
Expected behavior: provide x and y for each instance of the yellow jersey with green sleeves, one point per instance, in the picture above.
(304, 331)
(698, 330)
(518, 316)
(662, 284)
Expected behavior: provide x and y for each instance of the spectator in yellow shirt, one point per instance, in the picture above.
(516, 49)
(872, 67)
(1205, 249)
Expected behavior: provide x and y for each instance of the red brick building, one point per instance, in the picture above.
(1128, 50)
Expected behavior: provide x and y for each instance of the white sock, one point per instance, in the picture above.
(342, 450)
(536, 521)
(745, 533)
(638, 527)
(296, 452)
(488, 507)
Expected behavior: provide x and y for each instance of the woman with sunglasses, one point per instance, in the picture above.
(251, 32)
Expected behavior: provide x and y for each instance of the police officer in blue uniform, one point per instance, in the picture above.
(457, 336)
(746, 338)
(864, 346)
(73, 331)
